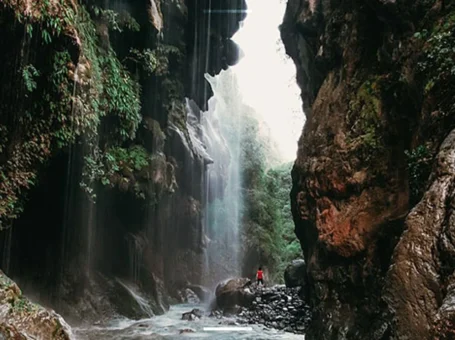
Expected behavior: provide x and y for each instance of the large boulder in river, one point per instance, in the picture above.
(234, 292)
(22, 319)
(294, 274)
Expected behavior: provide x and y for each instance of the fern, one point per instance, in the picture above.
(29, 73)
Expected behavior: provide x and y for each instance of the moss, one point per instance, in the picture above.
(68, 98)
(364, 118)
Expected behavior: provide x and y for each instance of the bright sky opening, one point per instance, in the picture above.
(266, 75)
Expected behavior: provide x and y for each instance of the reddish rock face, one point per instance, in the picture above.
(367, 102)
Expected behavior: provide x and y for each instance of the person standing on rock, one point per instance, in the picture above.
(260, 276)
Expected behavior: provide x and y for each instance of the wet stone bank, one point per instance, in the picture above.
(277, 307)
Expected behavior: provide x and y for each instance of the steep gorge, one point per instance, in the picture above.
(93, 98)
(377, 84)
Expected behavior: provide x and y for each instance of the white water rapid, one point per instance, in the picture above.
(171, 327)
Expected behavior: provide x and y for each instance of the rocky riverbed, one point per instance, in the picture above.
(277, 307)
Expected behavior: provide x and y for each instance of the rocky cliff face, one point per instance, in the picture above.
(101, 182)
(376, 78)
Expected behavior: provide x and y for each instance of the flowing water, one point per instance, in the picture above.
(142, 302)
(222, 136)
(169, 326)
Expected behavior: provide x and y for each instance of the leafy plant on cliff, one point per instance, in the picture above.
(72, 98)
(117, 21)
(419, 168)
(35, 118)
(115, 166)
(438, 63)
(156, 61)
(29, 74)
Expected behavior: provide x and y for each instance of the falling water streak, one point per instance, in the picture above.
(235, 177)
(205, 227)
(135, 256)
(68, 190)
(6, 257)
(142, 302)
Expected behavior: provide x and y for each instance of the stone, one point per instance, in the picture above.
(295, 273)
(234, 292)
(21, 319)
(275, 309)
(186, 330)
(195, 314)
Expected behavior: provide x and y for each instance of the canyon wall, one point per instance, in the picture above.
(101, 183)
(372, 183)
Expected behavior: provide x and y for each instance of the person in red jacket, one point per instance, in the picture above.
(260, 276)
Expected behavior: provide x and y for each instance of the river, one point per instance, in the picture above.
(169, 326)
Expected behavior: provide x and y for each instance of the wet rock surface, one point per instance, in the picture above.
(277, 307)
(195, 314)
(353, 182)
(22, 319)
(420, 286)
(295, 273)
(234, 292)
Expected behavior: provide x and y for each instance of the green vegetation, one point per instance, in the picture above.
(438, 63)
(155, 61)
(364, 117)
(117, 21)
(266, 216)
(53, 17)
(268, 221)
(419, 168)
(68, 99)
(29, 73)
(114, 166)
(279, 187)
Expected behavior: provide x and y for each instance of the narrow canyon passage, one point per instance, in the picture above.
(156, 171)
(270, 169)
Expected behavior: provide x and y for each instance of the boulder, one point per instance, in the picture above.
(234, 292)
(195, 314)
(22, 319)
(295, 273)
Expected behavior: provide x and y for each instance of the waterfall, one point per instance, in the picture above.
(245, 118)
(222, 126)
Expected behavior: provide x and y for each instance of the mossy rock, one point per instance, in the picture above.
(21, 316)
